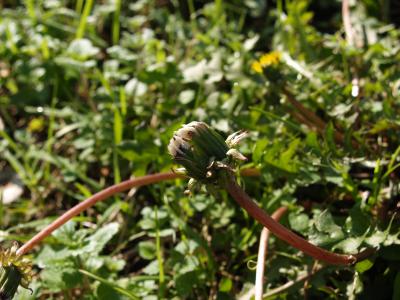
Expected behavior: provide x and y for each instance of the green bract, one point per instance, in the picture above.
(10, 279)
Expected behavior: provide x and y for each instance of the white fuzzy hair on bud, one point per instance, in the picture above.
(182, 137)
(236, 154)
(236, 137)
(176, 145)
(186, 132)
(195, 124)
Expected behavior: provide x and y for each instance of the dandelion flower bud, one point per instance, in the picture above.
(203, 152)
(195, 146)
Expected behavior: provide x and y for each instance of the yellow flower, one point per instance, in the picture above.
(256, 67)
(269, 59)
(36, 125)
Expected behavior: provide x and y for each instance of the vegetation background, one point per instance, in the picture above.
(92, 91)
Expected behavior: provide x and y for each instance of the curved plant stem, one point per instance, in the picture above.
(285, 234)
(102, 195)
(262, 253)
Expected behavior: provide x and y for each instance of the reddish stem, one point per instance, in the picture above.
(309, 117)
(285, 234)
(102, 195)
(262, 254)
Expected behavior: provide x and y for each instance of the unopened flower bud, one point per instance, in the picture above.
(195, 146)
(203, 152)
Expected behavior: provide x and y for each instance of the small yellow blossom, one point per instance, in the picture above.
(36, 125)
(269, 59)
(256, 67)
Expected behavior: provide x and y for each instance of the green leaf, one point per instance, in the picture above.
(376, 238)
(111, 284)
(325, 230)
(299, 222)
(185, 282)
(135, 88)
(68, 235)
(60, 276)
(82, 49)
(133, 151)
(330, 137)
(186, 96)
(324, 222)
(359, 221)
(147, 250)
(349, 245)
(225, 285)
(105, 292)
(364, 265)
(152, 268)
(259, 149)
(287, 156)
(118, 127)
(96, 242)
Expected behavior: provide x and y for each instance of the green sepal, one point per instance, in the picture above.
(10, 279)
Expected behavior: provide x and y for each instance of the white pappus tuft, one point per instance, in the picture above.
(236, 137)
(236, 154)
(176, 145)
(182, 137)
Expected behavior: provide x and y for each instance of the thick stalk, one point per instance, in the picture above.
(102, 195)
(285, 234)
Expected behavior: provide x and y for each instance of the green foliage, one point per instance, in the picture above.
(92, 91)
